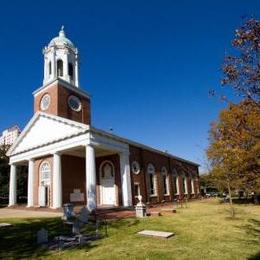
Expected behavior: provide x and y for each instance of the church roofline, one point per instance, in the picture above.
(86, 129)
(63, 83)
(31, 122)
(130, 142)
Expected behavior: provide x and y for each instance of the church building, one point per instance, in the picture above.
(69, 160)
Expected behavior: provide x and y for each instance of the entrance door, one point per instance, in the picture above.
(43, 196)
(107, 183)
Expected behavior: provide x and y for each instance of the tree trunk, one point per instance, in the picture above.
(230, 200)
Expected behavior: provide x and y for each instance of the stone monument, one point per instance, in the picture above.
(42, 236)
(140, 208)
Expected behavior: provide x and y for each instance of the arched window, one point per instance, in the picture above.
(152, 179)
(50, 68)
(107, 170)
(45, 173)
(184, 184)
(165, 179)
(192, 185)
(176, 182)
(60, 68)
(71, 70)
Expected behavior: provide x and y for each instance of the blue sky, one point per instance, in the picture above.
(148, 65)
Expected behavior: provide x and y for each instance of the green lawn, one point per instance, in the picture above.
(203, 231)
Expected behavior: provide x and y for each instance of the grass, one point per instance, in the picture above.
(204, 230)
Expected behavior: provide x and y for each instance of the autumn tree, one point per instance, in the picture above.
(242, 69)
(234, 141)
(234, 149)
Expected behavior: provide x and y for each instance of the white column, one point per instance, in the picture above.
(90, 178)
(57, 189)
(12, 185)
(45, 69)
(54, 65)
(66, 67)
(76, 72)
(30, 183)
(126, 180)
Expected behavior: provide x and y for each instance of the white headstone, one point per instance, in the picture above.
(154, 233)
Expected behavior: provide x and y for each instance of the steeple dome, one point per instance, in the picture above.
(61, 60)
(61, 40)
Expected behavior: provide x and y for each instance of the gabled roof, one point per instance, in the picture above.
(143, 146)
(44, 129)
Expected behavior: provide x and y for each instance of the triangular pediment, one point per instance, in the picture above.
(44, 129)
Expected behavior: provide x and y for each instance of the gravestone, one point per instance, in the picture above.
(140, 208)
(76, 228)
(4, 225)
(42, 236)
(153, 233)
(83, 215)
(68, 211)
(76, 196)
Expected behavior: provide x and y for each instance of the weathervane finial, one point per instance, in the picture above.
(62, 33)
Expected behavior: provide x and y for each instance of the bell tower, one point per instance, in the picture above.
(61, 94)
(61, 60)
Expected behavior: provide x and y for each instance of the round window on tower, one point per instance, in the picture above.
(45, 102)
(74, 103)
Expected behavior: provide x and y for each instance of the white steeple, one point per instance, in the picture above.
(61, 60)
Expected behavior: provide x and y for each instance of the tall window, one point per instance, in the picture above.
(192, 185)
(71, 70)
(137, 189)
(60, 68)
(184, 185)
(45, 173)
(175, 182)
(50, 68)
(165, 179)
(152, 179)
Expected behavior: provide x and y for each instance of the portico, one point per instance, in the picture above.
(86, 143)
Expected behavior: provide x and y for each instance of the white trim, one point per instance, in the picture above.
(80, 126)
(64, 84)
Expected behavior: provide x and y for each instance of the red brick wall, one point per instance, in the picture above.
(59, 104)
(144, 157)
(73, 177)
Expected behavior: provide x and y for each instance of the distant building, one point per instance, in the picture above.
(9, 135)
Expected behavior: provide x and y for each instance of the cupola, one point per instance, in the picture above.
(61, 60)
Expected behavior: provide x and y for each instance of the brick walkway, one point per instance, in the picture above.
(21, 211)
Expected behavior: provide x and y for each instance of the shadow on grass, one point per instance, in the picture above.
(243, 201)
(254, 257)
(123, 223)
(20, 240)
(252, 230)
